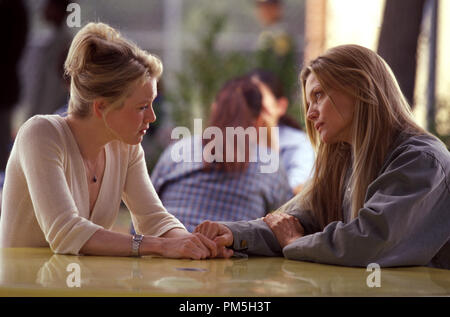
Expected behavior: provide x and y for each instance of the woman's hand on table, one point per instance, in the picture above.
(179, 243)
(220, 234)
(286, 228)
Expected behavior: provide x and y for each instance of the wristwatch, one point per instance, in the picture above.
(136, 243)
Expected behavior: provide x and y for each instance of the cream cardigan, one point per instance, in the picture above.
(45, 196)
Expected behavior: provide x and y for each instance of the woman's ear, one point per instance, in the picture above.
(99, 106)
(283, 104)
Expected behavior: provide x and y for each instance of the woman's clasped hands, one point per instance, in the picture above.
(220, 234)
(286, 229)
(195, 246)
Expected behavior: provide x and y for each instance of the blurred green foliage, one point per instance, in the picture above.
(207, 68)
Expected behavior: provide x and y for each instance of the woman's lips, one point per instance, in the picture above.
(318, 125)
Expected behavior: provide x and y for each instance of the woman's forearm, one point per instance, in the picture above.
(109, 243)
(176, 243)
(175, 233)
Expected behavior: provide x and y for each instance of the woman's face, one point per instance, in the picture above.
(332, 114)
(130, 123)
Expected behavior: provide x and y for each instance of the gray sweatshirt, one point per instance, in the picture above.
(405, 219)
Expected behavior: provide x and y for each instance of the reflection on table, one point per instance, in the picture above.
(39, 272)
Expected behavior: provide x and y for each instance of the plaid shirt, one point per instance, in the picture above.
(193, 194)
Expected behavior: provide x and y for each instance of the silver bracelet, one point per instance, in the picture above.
(136, 244)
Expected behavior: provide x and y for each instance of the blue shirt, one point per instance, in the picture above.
(193, 194)
(296, 155)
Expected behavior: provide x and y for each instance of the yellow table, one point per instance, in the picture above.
(39, 272)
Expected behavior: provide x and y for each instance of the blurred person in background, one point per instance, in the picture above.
(47, 90)
(14, 28)
(296, 152)
(66, 176)
(220, 190)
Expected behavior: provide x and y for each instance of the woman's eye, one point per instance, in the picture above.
(144, 107)
(318, 94)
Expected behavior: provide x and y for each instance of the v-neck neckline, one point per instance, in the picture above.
(90, 213)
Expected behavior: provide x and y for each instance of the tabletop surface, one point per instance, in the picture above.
(39, 272)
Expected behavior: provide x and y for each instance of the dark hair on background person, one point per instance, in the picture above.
(276, 86)
(237, 105)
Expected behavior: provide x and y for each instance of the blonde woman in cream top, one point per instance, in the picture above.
(66, 176)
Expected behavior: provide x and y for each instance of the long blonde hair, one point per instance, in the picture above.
(381, 112)
(103, 64)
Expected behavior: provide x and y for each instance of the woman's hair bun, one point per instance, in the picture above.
(93, 38)
(101, 63)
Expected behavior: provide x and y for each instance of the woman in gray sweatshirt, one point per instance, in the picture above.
(380, 190)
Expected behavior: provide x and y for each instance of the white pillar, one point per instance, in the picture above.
(431, 91)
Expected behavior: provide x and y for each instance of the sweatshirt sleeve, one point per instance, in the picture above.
(404, 221)
(41, 157)
(147, 211)
(256, 238)
(253, 237)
